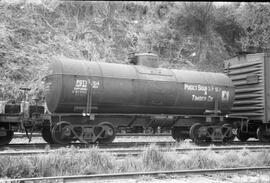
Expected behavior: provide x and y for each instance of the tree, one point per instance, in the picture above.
(192, 23)
(227, 26)
(255, 20)
(197, 20)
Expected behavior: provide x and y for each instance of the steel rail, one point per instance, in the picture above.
(136, 152)
(76, 178)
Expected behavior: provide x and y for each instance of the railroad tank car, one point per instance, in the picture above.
(251, 78)
(119, 88)
(88, 99)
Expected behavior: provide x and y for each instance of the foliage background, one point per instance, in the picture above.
(185, 35)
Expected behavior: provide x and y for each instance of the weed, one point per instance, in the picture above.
(15, 167)
(230, 160)
(69, 161)
(264, 158)
(154, 159)
(197, 159)
(130, 164)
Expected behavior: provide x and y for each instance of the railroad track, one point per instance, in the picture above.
(85, 178)
(136, 152)
(18, 146)
(82, 145)
(23, 135)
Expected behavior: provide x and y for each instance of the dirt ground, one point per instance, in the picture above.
(246, 177)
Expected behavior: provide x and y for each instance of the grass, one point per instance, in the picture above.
(69, 161)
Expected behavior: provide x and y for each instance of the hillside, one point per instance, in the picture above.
(185, 35)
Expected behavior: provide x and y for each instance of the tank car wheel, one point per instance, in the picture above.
(194, 133)
(243, 137)
(227, 131)
(62, 133)
(177, 135)
(47, 135)
(262, 134)
(5, 135)
(107, 133)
